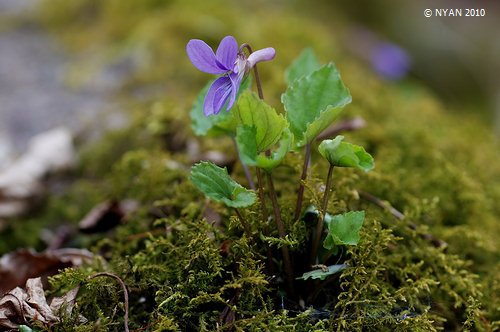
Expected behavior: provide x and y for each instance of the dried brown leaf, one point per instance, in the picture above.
(19, 305)
(106, 215)
(17, 267)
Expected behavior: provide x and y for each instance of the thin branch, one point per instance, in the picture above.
(436, 242)
(105, 274)
(346, 125)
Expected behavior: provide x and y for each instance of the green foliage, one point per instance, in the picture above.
(313, 102)
(396, 281)
(245, 139)
(250, 111)
(215, 183)
(306, 63)
(342, 154)
(24, 328)
(344, 229)
(321, 274)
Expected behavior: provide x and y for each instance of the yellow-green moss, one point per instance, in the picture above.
(440, 167)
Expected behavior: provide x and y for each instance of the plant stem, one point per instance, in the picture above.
(255, 71)
(105, 274)
(245, 168)
(243, 223)
(300, 194)
(321, 221)
(265, 219)
(281, 232)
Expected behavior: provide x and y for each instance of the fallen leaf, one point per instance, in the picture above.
(106, 215)
(19, 305)
(22, 180)
(18, 266)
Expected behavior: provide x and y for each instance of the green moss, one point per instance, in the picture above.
(441, 170)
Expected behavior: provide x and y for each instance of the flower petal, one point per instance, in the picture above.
(235, 86)
(203, 57)
(264, 54)
(217, 95)
(227, 52)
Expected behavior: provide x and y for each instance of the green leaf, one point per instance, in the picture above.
(320, 274)
(247, 145)
(313, 102)
(303, 65)
(250, 110)
(217, 124)
(216, 183)
(285, 144)
(344, 229)
(342, 154)
(24, 328)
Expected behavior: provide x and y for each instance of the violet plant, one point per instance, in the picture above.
(313, 100)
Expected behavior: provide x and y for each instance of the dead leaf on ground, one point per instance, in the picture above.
(20, 305)
(23, 180)
(107, 215)
(18, 266)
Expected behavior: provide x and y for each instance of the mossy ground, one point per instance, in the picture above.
(439, 166)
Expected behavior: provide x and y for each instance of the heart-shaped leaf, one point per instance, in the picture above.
(313, 102)
(213, 125)
(344, 229)
(320, 274)
(342, 154)
(252, 111)
(216, 183)
(303, 65)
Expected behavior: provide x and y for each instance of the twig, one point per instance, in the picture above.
(346, 125)
(106, 274)
(436, 242)
(300, 195)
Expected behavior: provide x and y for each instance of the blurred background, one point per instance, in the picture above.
(68, 63)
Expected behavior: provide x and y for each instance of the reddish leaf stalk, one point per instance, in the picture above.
(272, 194)
(265, 218)
(281, 232)
(245, 168)
(243, 223)
(300, 194)
(321, 221)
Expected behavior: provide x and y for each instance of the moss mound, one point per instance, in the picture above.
(186, 271)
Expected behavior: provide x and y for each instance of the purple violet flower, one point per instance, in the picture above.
(228, 60)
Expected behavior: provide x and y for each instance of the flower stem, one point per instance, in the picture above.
(281, 232)
(245, 168)
(255, 71)
(321, 221)
(243, 223)
(300, 194)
